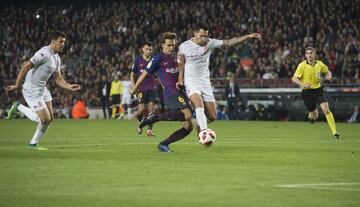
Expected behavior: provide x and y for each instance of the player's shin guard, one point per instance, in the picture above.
(176, 136)
(40, 131)
(331, 122)
(201, 118)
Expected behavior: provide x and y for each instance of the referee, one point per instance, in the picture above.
(307, 76)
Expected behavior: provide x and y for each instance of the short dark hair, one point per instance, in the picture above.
(56, 34)
(150, 44)
(168, 35)
(310, 48)
(202, 25)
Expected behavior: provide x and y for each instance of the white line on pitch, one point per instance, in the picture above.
(321, 186)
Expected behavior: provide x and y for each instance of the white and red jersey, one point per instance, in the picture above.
(197, 60)
(45, 62)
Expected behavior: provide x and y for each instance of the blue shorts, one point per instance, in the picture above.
(177, 101)
(145, 97)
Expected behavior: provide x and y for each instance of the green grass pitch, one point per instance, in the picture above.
(105, 163)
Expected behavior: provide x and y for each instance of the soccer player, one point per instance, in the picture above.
(166, 68)
(195, 74)
(126, 97)
(308, 76)
(147, 93)
(38, 69)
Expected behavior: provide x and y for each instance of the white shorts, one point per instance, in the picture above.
(205, 92)
(35, 99)
(126, 100)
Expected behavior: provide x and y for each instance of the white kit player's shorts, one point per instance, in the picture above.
(205, 92)
(35, 99)
(126, 99)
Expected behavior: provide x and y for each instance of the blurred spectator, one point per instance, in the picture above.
(104, 94)
(222, 113)
(126, 97)
(232, 95)
(79, 110)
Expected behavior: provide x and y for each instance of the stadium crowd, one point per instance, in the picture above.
(104, 38)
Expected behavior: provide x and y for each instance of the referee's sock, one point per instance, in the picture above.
(331, 122)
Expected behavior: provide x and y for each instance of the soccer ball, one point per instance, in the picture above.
(207, 137)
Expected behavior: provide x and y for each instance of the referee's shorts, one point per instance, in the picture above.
(312, 97)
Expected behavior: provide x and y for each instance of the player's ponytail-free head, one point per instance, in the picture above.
(56, 34)
(169, 36)
(201, 25)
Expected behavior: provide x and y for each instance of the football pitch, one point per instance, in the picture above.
(105, 163)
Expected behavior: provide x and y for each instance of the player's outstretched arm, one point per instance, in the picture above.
(181, 65)
(26, 67)
(237, 40)
(62, 83)
(138, 83)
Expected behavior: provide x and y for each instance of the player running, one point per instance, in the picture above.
(38, 69)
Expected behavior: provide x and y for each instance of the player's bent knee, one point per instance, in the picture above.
(326, 111)
(187, 117)
(46, 120)
(211, 118)
(314, 115)
(141, 108)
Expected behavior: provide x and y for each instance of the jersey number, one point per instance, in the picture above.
(181, 99)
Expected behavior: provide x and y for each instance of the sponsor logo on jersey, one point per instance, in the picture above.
(172, 70)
